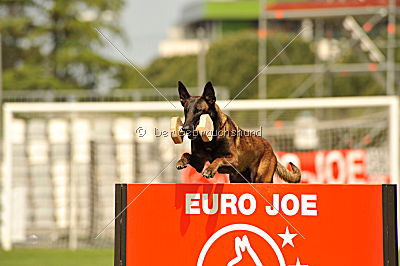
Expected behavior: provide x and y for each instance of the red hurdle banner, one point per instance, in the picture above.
(256, 224)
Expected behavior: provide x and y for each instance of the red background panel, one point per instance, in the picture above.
(346, 231)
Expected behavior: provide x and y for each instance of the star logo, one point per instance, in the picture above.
(287, 237)
(298, 263)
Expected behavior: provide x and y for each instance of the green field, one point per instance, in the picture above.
(57, 257)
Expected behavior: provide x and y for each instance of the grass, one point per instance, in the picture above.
(57, 257)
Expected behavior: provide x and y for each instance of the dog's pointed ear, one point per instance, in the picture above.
(183, 93)
(209, 93)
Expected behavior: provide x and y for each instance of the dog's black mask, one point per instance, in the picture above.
(195, 106)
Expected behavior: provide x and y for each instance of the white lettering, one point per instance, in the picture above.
(228, 201)
(274, 209)
(252, 207)
(205, 204)
(285, 207)
(190, 203)
(309, 205)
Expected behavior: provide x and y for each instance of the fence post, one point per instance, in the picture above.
(93, 192)
(73, 234)
(6, 181)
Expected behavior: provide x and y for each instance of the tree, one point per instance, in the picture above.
(54, 44)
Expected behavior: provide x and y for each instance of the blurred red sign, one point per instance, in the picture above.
(346, 166)
(262, 224)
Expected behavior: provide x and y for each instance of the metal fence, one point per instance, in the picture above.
(63, 159)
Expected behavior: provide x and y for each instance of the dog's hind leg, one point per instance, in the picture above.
(266, 169)
(245, 176)
(236, 178)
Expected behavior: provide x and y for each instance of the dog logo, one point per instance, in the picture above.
(243, 245)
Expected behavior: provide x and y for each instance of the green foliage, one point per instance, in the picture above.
(232, 63)
(52, 44)
(162, 72)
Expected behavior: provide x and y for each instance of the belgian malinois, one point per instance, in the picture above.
(245, 157)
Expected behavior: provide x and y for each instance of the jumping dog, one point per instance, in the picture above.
(245, 157)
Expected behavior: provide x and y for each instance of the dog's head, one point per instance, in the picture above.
(195, 106)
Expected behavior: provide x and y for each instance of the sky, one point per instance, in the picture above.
(146, 23)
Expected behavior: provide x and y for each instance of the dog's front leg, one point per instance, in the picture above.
(194, 161)
(212, 169)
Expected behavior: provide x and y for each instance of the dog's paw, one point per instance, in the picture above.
(208, 173)
(180, 165)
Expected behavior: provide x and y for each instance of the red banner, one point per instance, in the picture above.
(333, 167)
(347, 166)
(262, 224)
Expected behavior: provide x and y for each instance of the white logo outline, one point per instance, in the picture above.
(241, 227)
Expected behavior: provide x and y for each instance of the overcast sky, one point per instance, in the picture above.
(146, 23)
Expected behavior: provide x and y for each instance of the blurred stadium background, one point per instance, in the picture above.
(72, 105)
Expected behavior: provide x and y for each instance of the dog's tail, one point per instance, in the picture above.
(285, 174)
